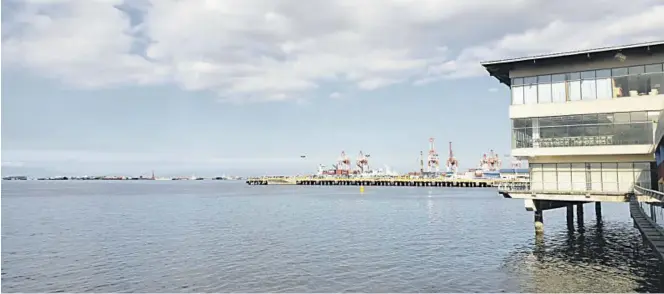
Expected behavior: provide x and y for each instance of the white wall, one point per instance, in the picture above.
(586, 150)
(626, 104)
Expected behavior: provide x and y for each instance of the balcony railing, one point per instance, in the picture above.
(574, 188)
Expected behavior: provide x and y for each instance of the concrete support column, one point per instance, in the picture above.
(539, 222)
(598, 211)
(570, 217)
(579, 215)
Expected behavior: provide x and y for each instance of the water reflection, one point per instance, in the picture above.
(605, 257)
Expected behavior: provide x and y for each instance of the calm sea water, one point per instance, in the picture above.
(212, 236)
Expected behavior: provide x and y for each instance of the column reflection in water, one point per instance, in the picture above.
(605, 256)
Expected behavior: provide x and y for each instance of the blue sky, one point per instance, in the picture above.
(99, 87)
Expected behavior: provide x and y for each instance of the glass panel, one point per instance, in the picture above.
(635, 70)
(517, 81)
(573, 76)
(619, 72)
(549, 177)
(536, 177)
(620, 86)
(522, 123)
(578, 176)
(590, 119)
(633, 86)
(604, 73)
(639, 85)
(544, 79)
(653, 115)
(625, 177)
(544, 93)
(558, 92)
(638, 116)
(564, 176)
(530, 80)
(596, 176)
(591, 130)
(588, 75)
(610, 177)
(654, 68)
(621, 117)
(574, 90)
(523, 138)
(588, 90)
(656, 84)
(558, 78)
(603, 89)
(517, 95)
(530, 94)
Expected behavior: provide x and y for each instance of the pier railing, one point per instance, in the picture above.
(569, 188)
(514, 186)
(649, 192)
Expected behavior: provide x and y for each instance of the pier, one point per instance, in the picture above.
(392, 182)
(573, 138)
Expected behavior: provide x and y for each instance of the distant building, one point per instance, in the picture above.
(586, 120)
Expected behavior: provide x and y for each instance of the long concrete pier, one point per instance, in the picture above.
(397, 182)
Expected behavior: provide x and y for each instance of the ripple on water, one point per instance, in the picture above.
(226, 237)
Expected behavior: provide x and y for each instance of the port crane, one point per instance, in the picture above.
(452, 162)
(433, 163)
(363, 162)
(343, 163)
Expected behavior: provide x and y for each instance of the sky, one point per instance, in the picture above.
(247, 87)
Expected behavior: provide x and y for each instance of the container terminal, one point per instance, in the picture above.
(342, 173)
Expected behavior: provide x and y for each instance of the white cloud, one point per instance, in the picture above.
(335, 95)
(493, 90)
(258, 50)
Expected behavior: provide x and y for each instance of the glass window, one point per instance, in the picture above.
(574, 90)
(639, 116)
(588, 75)
(656, 86)
(621, 118)
(517, 95)
(654, 68)
(530, 80)
(619, 72)
(544, 89)
(588, 89)
(635, 70)
(530, 91)
(653, 115)
(522, 122)
(620, 86)
(590, 119)
(558, 78)
(638, 85)
(517, 81)
(603, 84)
(573, 76)
(605, 118)
(544, 79)
(546, 122)
(603, 73)
(605, 130)
(591, 130)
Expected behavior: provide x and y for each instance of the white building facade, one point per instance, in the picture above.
(586, 120)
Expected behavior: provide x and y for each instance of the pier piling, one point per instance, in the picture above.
(539, 222)
(579, 215)
(570, 217)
